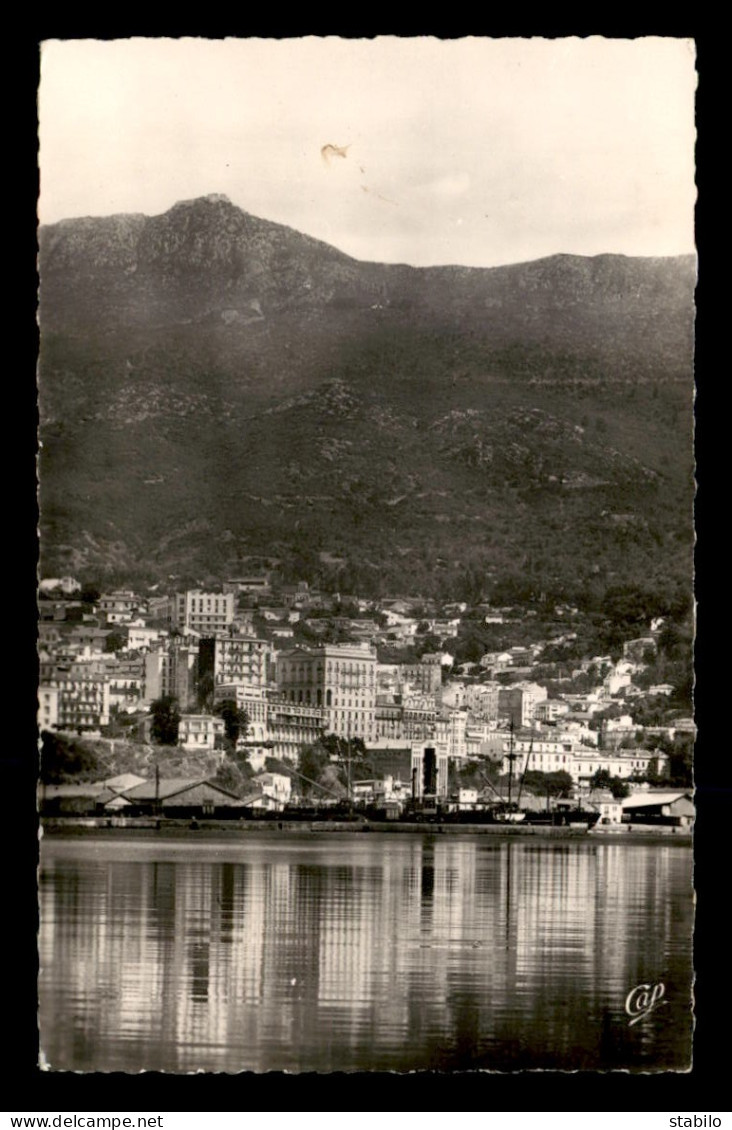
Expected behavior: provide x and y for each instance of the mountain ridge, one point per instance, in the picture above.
(175, 359)
(222, 199)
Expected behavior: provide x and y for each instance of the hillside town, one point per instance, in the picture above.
(236, 691)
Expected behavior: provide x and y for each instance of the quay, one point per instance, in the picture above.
(149, 827)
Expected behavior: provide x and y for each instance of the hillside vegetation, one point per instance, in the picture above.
(215, 387)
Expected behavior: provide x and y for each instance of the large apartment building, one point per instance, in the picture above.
(290, 725)
(339, 678)
(229, 658)
(196, 611)
(75, 701)
(171, 668)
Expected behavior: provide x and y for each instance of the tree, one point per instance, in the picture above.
(231, 778)
(165, 720)
(90, 593)
(114, 641)
(236, 721)
(558, 784)
(472, 775)
(652, 774)
(603, 780)
(312, 763)
(680, 765)
(63, 758)
(336, 746)
(205, 693)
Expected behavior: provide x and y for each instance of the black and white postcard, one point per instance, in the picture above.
(366, 616)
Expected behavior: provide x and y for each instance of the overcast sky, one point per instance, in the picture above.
(472, 151)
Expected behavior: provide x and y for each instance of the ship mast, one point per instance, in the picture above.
(526, 766)
(511, 758)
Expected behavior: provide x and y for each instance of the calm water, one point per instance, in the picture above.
(351, 952)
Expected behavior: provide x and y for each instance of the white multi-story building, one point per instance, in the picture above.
(275, 785)
(126, 681)
(228, 657)
(581, 762)
(429, 769)
(482, 701)
(118, 607)
(81, 701)
(47, 707)
(254, 700)
(550, 709)
(194, 610)
(139, 636)
(338, 678)
(291, 725)
(450, 730)
(199, 731)
(204, 612)
(623, 763)
(545, 755)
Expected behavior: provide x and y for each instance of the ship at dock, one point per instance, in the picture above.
(428, 804)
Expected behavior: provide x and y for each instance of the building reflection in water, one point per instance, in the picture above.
(356, 953)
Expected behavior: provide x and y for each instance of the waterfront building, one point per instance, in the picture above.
(610, 809)
(539, 753)
(251, 699)
(290, 725)
(564, 753)
(624, 764)
(339, 679)
(429, 769)
(277, 786)
(179, 796)
(675, 809)
(467, 799)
